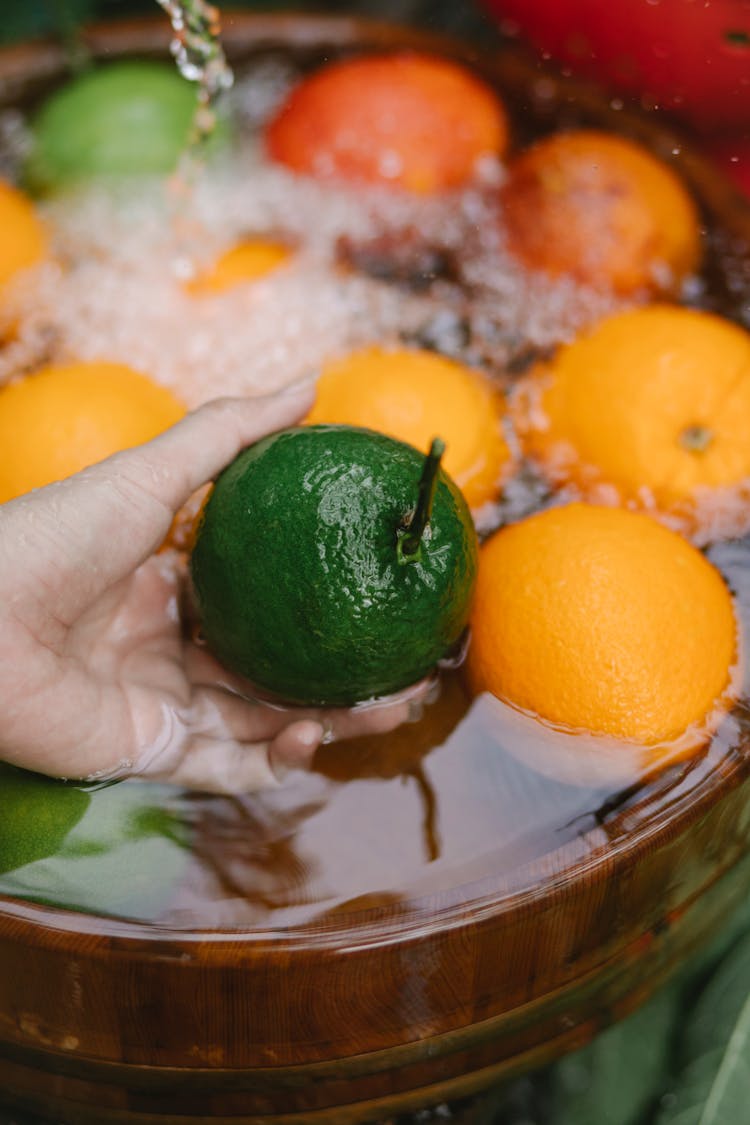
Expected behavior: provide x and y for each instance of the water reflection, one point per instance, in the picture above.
(470, 803)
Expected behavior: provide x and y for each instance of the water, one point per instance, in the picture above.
(200, 58)
(462, 803)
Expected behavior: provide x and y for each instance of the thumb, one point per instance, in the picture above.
(83, 534)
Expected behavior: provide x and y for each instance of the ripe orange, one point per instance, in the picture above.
(407, 120)
(24, 241)
(418, 395)
(602, 209)
(654, 401)
(62, 419)
(245, 262)
(603, 620)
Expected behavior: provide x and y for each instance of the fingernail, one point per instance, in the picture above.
(327, 732)
(311, 734)
(414, 711)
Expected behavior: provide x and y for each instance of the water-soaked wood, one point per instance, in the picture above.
(387, 1002)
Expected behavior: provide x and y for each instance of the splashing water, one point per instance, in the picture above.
(200, 58)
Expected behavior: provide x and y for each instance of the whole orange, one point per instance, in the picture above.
(62, 419)
(603, 210)
(245, 262)
(24, 241)
(418, 395)
(412, 121)
(654, 401)
(603, 620)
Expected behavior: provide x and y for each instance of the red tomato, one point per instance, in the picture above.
(688, 56)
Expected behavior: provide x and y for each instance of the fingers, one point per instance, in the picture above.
(230, 744)
(379, 717)
(221, 743)
(72, 540)
(172, 466)
(295, 745)
(216, 763)
(217, 766)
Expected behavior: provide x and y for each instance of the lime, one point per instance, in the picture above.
(121, 119)
(333, 564)
(38, 814)
(116, 848)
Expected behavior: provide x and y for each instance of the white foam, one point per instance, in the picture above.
(116, 288)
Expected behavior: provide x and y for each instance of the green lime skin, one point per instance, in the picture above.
(37, 815)
(121, 119)
(298, 578)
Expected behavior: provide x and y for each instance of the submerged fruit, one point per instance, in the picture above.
(38, 815)
(603, 620)
(309, 577)
(243, 263)
(124, 119)
(63, 419)
(408, 120)
(111, 849)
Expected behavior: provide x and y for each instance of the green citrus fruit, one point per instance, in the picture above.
(37, 815)
(311, 577)
(116, 849)
(125, 118)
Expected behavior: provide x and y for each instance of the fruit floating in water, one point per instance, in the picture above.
(652, 404)
(105, 847)
(313, 575)
(124, 119)
(602, 209)
(38, 815)
(602, 620)
(63, 419)
(410, 121)
(411, 395)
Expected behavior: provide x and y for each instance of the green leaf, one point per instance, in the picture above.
(713, 1086)
(619, 1076)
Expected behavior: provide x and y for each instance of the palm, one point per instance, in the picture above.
(98, 677)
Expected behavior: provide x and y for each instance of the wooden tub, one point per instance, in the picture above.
(386, 1000)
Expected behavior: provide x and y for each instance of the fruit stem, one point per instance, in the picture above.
(410, 541)
(696, 439)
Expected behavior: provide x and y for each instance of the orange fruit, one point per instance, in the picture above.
(654, 401)
(603, 210)
(62, 419)
(24, 241)
(418, 395)
(603, 620)
(408, 120)
(247, 261)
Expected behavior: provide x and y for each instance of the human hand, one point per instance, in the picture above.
(97, 678)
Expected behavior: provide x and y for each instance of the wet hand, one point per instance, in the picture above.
(97, 676)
